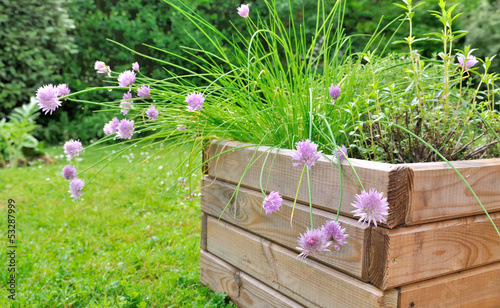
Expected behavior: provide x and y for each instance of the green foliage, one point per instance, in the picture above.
(269, 85)
(363, 18)
(127, 243)
(435, 99)
(265, 101)
(130, 22)
(16, 135)
(483, 24)
(35, 43)
(136, 24)
(84, 124)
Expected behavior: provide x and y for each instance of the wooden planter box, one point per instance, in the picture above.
(438, 249)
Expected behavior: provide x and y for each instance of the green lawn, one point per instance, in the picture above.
(126, 243)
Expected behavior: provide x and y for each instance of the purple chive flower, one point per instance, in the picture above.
(471, 61)
(69, 172)
(127, 95)
(127, 106)
(306, 153)
(48, 98)
(101, 67)
(312, 242)
(75, 188)
(341, 153)
(107, 129)
(152, 113)
(144, 92)
(334, 92)
(272, 202)
(333, 231)
(63, 90)
(125, 103)
(195, 101)
(244, 10)
(371, 206)
(126, 129)
(135, 66)
(181, 127)
(72, 148)
(126, 79)
(111, 127)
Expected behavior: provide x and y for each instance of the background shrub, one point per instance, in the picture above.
(363, 17)
(135, 24)
(483, 24)
(35, 42)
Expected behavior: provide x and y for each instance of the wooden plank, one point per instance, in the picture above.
(406, 255)
(417, 193)
(247, 214)
(203, 231)
(303, 280)
(392, 180)
(220, 276)
(438, 193)
(478, 287)
(242, 289)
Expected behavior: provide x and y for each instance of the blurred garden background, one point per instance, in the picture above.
(132, 241)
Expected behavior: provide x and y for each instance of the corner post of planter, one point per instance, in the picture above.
(399, 194)
(379, 257)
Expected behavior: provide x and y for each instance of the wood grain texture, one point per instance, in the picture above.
(392, 180)
(203, 231)
(243, 290)
(220, 276)
(417, 193)
(246, 213)
(478, 287)
(303, 280)
(406, 255)
(438, 193)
